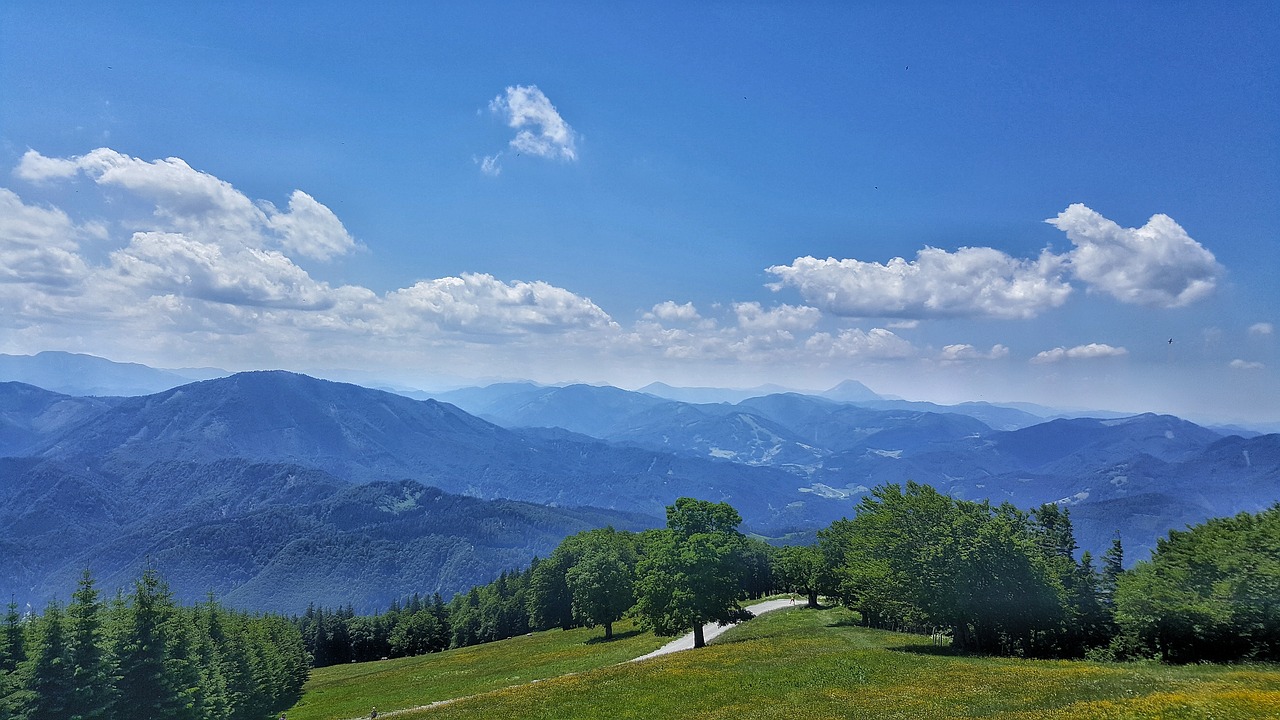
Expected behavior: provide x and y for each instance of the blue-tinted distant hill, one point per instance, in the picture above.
(77, 374)
(268, 450)
(362, 435)
(1182, 472)
(29, 415)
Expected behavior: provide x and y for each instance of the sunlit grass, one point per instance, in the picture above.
(350, 691)
(801, 664)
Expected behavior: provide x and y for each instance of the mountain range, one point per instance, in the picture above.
(274, 489)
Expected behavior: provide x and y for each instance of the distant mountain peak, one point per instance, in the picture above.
(851, 391)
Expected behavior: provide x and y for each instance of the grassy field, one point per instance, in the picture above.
(801, 664)
(350, 691)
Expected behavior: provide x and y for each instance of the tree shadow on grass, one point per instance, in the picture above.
(922, 649)
(616, 636)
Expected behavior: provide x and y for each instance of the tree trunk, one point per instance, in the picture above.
(608, 631)
(698, 640)
(813, 598)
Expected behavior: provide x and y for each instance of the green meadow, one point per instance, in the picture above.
(795, 664)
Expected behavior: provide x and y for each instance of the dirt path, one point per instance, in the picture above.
(711, 630)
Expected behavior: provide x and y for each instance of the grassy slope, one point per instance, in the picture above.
(349, 691)
(799, 664)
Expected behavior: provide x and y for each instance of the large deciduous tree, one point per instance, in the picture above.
(1208, 593)
(691, 572)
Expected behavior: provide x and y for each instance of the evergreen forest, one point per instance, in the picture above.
(141, 656)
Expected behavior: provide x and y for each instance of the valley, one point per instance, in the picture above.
(274, 490)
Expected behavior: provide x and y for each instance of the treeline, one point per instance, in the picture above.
(993, 578)
(141, 656)
(672, 579)
(1001, 580)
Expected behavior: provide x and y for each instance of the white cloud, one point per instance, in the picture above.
(38, 245)
(751, 316)
(1079, 352)
(309, 228)
(669, 311)
(875, 344)
(1262, 328)
(201, 206)
(480, 303)
(489, 165)
(210, 262)
(971, 282)
(540, 129)
(966, 352)
(1239, 364)
(1157, 265)
(172, 264)
(34, 167)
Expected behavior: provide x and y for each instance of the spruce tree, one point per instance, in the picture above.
(47, 674)
(146, 686)
(11, 654)
(1112, 567)
(92, 667)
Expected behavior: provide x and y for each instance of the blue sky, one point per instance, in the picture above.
(712, 195)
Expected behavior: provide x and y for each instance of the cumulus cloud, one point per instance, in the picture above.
(309, 228)
(37, 245)
(969, 282)
(669, 311)
(966, 353)
(875, 344)
(752, 316)
(1079, 352)
(1239, 364)
(540, 130)
(201, 206)
(1158, 264)
(480, 303)
(1262, 328)
(210, 262)
(172, 264)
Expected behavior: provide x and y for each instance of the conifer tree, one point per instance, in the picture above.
(47, 675)
(11, 654)
(92, 667)
(146, 686)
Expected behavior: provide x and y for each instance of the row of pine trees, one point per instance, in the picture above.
(140, 656)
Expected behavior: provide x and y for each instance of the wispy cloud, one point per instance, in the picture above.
(1239, 364)
(540, 130)
(1262, 328)
(1079, 352)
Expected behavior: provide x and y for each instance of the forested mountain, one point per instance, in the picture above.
(236, 482)
(1141, 475)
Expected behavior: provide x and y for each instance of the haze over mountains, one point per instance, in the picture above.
(275, 489)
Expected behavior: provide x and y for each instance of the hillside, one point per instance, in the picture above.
(174, 476)
(795, 664)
